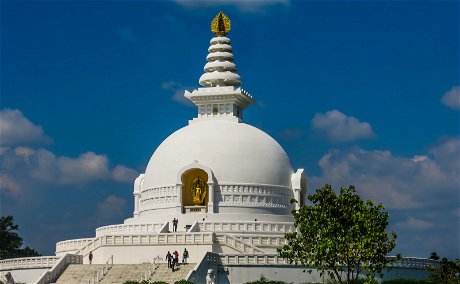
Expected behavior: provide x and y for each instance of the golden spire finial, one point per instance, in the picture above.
(220, 25)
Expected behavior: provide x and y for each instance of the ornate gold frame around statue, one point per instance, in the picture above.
(199, 191)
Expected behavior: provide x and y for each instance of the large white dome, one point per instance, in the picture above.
(235, 153)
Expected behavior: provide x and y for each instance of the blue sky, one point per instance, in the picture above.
(356, 92)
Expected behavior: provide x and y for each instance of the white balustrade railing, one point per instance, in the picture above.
(129, 229)
(156, 239)
(28, 262)
(237, 244)
(256, 259)
(265, 240)
(57, 269)
(72, 245)
(266, 227)
(413, 262)
(274, 259)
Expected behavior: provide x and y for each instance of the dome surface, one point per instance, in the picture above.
(236, 153)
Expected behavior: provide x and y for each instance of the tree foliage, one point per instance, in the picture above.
(340, 235)
(448, 272)
(434, 256)
(11, 242)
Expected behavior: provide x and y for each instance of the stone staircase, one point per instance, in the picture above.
(120, 273)
(78, 273)
(162, 273)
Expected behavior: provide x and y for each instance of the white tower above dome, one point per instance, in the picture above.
(220, 98)
(220, 69)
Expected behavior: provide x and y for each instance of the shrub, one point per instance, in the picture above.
(183, 281)
(405, 281)
(264, 280)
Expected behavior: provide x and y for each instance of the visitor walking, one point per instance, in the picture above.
(184, 256)
(90, 256)
(168, 259)
(174, 222)
(176, 258)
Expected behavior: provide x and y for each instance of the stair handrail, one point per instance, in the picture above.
(59, 267)
(147, 275)
(227, 237)
(101, 273)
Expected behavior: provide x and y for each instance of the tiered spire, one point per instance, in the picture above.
(221, 98)
(220, 69)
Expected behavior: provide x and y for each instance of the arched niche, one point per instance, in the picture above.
(190, 178)
(195, 189)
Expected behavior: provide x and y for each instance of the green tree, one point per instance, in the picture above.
(10, 241)
(448, 272)
(434, 256)
(340, 235)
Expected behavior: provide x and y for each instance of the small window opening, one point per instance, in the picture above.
(215, 111)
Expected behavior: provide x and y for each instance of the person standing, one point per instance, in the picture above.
(176, 258)
(184, 256)
(175, 221)
(168, 259)
(90, 256)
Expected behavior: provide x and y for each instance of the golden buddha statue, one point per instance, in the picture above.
(198, 191)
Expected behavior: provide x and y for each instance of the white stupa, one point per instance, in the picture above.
(227, 183)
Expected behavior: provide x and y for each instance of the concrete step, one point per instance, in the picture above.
(120, 273)
(78, 273)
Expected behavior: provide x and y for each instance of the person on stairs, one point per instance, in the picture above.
(168, 259)
(184, 256)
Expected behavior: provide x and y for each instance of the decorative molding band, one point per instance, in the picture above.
(159, 197)
(239, 195)
(72, 245)
(253, 196)
(255, 189)
(247, 227)
(129, 229)
(169, 190)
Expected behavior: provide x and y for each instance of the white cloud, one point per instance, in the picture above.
(249, 6)
(40, 166)
(112, 208)
(420, 158)
(414, 224)
(178, 89)
(28, 168)
(87, 167)
(15, 129)
(398, 182)
(337, 127)
(24, 164)
(9, 186)
(420, 193)
(123, 174)
(452, 98)
(447, 153)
